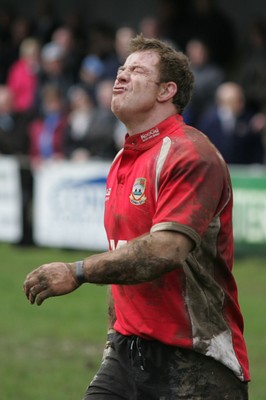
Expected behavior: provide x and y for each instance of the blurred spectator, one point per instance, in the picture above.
(208, 76)
(182, 20)
(13, 30)
(20, 29)
(232, 127)
(91, 72)
(253, 66)
(65, 38)
(101, 43)
(100, 61)
(46, 131)
(122, 38)
(150, 28)
(75, 20)
(98, 71)
(52, 71)
(90, 130)
(13, 127)
(45, 21)
(22, 76)
(81, 104)
(103, 123)
(213, 25)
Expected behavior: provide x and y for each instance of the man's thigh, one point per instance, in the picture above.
(112, 381)
(194, 376)
(169, 374)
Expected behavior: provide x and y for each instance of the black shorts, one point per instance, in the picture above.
(137, 369)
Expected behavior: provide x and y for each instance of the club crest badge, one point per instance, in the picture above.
(137, 195)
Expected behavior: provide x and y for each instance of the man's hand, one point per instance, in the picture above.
(50, 280)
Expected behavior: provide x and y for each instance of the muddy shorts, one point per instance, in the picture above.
(137, 369)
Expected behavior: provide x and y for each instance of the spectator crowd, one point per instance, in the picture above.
(56, 78)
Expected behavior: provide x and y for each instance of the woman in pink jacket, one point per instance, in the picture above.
(22, 76)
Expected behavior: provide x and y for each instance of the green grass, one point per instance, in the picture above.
(52, 351)
(250, 274)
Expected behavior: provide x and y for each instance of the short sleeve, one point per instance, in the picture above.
(193, 188)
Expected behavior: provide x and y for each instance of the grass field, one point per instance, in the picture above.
(52, 352)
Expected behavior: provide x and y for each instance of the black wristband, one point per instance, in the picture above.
(79, 272)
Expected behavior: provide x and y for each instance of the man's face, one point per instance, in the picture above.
(136, 86)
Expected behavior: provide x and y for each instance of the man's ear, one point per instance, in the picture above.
(166, 91)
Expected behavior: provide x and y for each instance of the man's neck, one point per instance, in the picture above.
(143, 124)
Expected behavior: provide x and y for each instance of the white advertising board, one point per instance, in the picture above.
(10, 200)
(68, 206)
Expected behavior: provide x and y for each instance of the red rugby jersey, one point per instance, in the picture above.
(172, 178)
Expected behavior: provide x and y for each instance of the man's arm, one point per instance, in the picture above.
(141, 260)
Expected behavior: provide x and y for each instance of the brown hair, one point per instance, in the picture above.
(174, 66)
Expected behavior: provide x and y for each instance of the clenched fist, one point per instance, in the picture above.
(50, 280)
